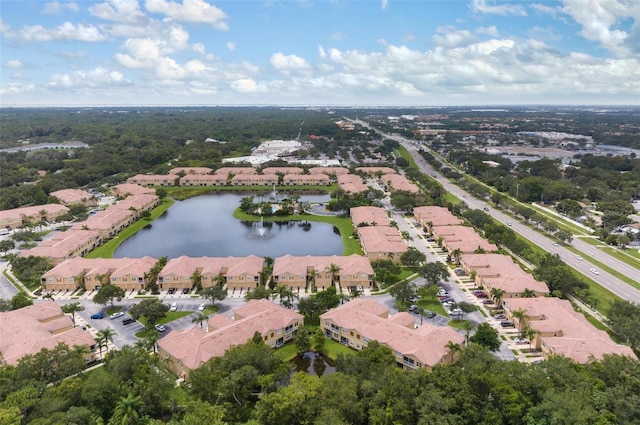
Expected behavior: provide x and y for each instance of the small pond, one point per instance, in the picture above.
(204, 226)
(314, 364)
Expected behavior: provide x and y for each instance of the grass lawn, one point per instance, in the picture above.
(432, 304)
(626, 279)
(404, 153)
(107, 249)
(457, 323)
(170, 317)
(114, 309)
(344, 225)
(595, 322)
(184, 192)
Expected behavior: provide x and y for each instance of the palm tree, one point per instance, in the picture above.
(48, 296)
(530, 334)
(453, 348)
(127, 411)
(335, 273)
(455, 254)
(79, 280)
(520, 314)
(105, 336)
(149, 341)
(196, 280)
(528, 293)
(72, 308)
(200, 317)
(467, 326)
(496, 294)
(311, 278)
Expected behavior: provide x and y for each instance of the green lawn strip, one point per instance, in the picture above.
(596, 323)
(629, 256)
(591, 240)
(604, 296)
(287, 352)
(181, 193)
(432, 304)
(13, 282)
(331, 348)
(606, 268)
(114, 309)
(456, 323)
(404, 153)
(562, 224)
(107, 249)
(344, 225)
(170, 317)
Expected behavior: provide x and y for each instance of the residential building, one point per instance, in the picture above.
(137, 203)
(236, 272)
(371, 216)
(126, 273)
(348, 272)
(330, 171)
(203, 180)
(306, 180)
(362, 320)
(254, 180)
(17, 217)
(190, 170)
(560, 330)
(153, 179)
(381, 242)
(500, 272)
(352, 183)
(65, 245)
(234, 171)
(431, 216)
(107, 222)
(375, 171)
(396, 182)
(282, 170)
(26, 331)
(186, 350)
(462, 238)
(127, 189)
(75, 196)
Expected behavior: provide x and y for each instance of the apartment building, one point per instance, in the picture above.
(203, 180)
(153, 179)
(560, 330)
(432, 216)
(254, 180)
(107, 222)
(362, 320)
(137, 203)
(191, 170)
(352, 183)
(234, 171)
(381, 243)
(75, 196)
(17, 217)
(306, 180)
(26, 331)
(463, 239)
(396, 182)
(186, 350)
(65, 245)
(329, 171)
(282, 170)
(500, 272)
(376, 171)
(126, 189)
(370, 216)
(296, 272)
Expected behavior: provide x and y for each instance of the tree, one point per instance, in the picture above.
(302, 340)
(465, 307)
(127, 411)
(528, 293)
(72, 308)
(496, 294)
(7, 245)
(200, 318)
(624, 319)
(402, 292)
(334, 270)
(453, 349)
(319, 340)
(104, 337)
(196, 280)
(285, 294)
(107, 293)
(434, 272)
(258, 294)
(213, 293)
(530, 334)
(51, 366)
(152, 309)
(521, 315)
(455, 254)
(487, 336)
(412, 257)
(384, 269)
(20, 300)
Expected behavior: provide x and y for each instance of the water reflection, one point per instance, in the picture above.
(314, 364)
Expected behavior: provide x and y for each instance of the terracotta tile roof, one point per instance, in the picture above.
(63, 244)
(236, 170)
(194, 347)
(369, 215)
(300, 266)
(306, 178)
(72, 196)
(203, 178)
(439, 216)
(30, 329)
(576, 339)
(399, 183)
(34, 211)
(131, 189)
(283, 170)
(464, 238)
(427, 343)
(231, 266)
(139, 202)
(352, 183)
(374, 170)
(91, 266)
(191, 170)
(105, 220)
(499, 271)
(381, 239)
(329, 170)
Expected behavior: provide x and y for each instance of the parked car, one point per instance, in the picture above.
(413, 307)
(429, 314)
(480, 295)
(97, 316)
(202, 307)
(174, 307)
(555, 243)
(185, 291)
(171, 291)
(359, 288)
(499, 316)
(506, 324)
(487, 302)
(127, 321)
(160, 328)
(116, 315)
(519, 340)
(447, 300)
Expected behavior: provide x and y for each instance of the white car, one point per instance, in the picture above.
(202, 307)
(555, 244)
(519, 340)
(160, 328)
(594, 271)
(174, 307)
(116, 315)
(579, 257)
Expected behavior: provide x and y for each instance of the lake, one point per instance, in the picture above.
(204, 227)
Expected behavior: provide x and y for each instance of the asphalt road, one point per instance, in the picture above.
(604, 279)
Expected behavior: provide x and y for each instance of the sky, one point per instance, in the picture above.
(331, 52)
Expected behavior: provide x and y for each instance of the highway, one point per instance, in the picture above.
(606, 280)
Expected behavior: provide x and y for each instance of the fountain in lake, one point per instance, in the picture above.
(260, 231)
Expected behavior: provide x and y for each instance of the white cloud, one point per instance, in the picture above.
(544, 9)
(492, 30)
(599, 19)
(481, 6)
(451, 37)
(247, 86)
(66, 31)
(231, 46)
(16, 89)
(287, 63)
(13, 64)
(192, 11)
(384, 4)
(121, 11)
(98, 77)
(56, 8)
(337, 36)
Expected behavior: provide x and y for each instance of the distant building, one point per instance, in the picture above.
(75, 196)
(18, 217)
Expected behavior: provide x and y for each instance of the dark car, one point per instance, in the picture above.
(127, 321)
(185, 291)
(506, 324)
(429, 314)
(97, 316)
(480, 295)
(171, 291)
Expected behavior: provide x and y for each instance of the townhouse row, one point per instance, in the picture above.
(378, 238)
(241, 273)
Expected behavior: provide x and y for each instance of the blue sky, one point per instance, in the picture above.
(405, 53)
